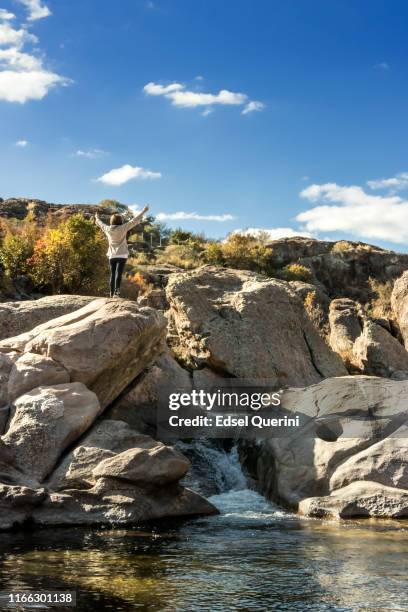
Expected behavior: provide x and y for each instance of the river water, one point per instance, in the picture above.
(253, 556)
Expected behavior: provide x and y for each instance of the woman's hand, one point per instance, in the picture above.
(146, 208)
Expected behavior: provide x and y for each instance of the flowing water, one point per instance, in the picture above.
(253, 556)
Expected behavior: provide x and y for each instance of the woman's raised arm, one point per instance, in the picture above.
(136, 219)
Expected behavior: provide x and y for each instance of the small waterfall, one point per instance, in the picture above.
(213, 469)
(216, 473)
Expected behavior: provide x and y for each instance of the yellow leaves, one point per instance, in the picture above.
(70, 258)
(240, 251)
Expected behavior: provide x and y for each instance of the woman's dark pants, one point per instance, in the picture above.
(117, 265)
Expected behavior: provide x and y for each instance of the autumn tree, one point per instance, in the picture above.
(70, 258)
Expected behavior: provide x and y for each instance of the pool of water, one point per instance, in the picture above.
(254, 556)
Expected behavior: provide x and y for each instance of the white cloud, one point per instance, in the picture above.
(396, 183)
(188, 99)
(253, 106)
(351, 210)
(272, 233)
(13, 58)
(90, 153)
(159, 90)
(6, 15)
(23, 86)
(10, 36)
(206, 112)
(36, 9)
(23, 76)
(21, 143)
(119, 176)
(184, 98)
(193, 216)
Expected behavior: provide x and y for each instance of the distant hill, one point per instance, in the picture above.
(19, 208)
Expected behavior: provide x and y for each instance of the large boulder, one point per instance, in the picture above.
(113, 501)
(364, 345)
(378, 353)
(19, 317)
(32, 370)
(113, 475)
(384, 462)
(117, 475)
(345, 326)
(160, 465)
(17, 504)
(104, 345)
(59, 467)
(349, 456)
(245, 325)
(358, 500)
(6, 365)
(108, 438)
(44, 422)
(399, 303)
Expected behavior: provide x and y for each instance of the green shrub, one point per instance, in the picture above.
(14, 254)
(247, 253)
(380, 305)
(296, 272)
(17, 239)
(182, 255)
(180, 236)
(213, 254)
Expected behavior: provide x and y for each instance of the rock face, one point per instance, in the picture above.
(79, 393)
(399, 303)
(156, 298)
(120, 502)
(32, 370)
(59, 465)
(138, 405)
(119, 476)
(350, 457)
(19, 317)
(19, 208)
(316, 302)
(245, 325)
(344, 268)
(104, 345)
(45, 421)
(364, 345)
(367, 499)
(378, 353)
(17, 504)
(6, 365)
(345, 326)
(106, 439)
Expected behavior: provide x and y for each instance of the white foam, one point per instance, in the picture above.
(246, 504)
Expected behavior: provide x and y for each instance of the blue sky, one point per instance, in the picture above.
(308, 133)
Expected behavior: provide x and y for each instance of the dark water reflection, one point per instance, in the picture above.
(252, 557)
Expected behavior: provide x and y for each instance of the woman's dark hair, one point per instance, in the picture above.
(116, 220)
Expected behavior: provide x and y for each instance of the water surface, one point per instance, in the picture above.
(253, 556)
